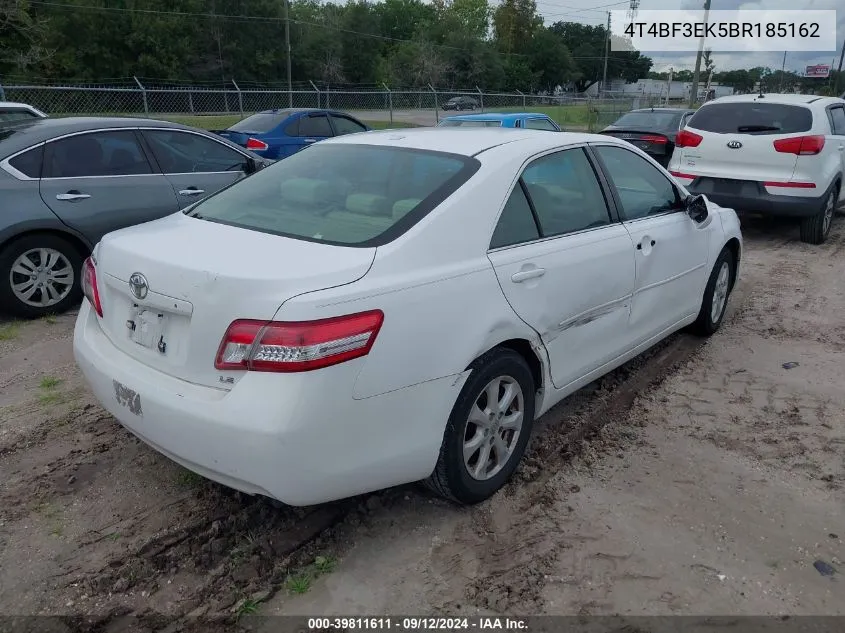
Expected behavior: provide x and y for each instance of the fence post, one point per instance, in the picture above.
(523, 97)
(143, 94)
(480, 97)
(389, 101)
(240, 98)
(436, 110)
(317, 90)
(2, 93)
(191, 100)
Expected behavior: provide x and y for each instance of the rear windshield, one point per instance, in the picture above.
(646, 121)
(470, 123)
(349, 195)
(261, 122)
(752, 118)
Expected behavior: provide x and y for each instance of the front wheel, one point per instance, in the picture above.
(488, 429)
(39, 275)
(716, 295)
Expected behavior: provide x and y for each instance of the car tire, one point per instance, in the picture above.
(815, 229)
(717, 292)
(467, 481)
(26, 253)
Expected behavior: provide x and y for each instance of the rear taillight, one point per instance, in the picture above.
(89, 285)
(685, 138)
(297, 346)
(800, 145)
(680, 174)
(255, 144)
(654, 138)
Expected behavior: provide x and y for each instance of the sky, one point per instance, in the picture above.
(592, 12)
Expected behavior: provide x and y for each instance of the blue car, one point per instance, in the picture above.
(277, 134)
(526, 120)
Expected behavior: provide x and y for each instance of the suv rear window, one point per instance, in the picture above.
(752, 118)
(348, 195)
(261, 122)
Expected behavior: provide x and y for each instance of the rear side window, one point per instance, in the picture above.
(315, 125)
(350, 195)
(261, 122)
(540, 124)
(29, 163)
(470, 123)
(837, 119)
(345, 125)
(14, 115)
(516, 224)
(752, 118)
(96, 154)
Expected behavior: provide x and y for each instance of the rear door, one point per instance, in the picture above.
(102, 181)
(737, 142)
(837, 124)
(565, 265)
(307, 130)
(671, 250)
(195, 165)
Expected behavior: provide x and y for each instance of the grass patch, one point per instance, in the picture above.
(49, 382)
(9, 332)
(49, 395)
(188, 478)
(301, 581)
(49, 319)
(247, 607)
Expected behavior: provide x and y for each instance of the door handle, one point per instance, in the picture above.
(310, 140)
(640, 245)
(842, 148)
(524, 275)
(191, 191)
(72, 196)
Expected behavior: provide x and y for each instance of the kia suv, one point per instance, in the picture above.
(774, 154)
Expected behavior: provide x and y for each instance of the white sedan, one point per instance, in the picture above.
(395, 306)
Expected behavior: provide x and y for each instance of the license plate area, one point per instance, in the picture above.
(147, 328)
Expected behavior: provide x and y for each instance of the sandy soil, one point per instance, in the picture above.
(701, 478)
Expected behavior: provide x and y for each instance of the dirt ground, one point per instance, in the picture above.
(701, 478)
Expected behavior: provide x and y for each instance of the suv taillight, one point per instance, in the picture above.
(89, 285)
(297, 346)
(685, 138)
(800, 145)
(255, 144)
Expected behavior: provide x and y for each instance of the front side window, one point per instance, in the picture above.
(642, 189)
(186, 153)
(116, 153)
(565, 193)
(352, 195)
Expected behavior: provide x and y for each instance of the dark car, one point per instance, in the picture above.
(64, 183)
(276, 134)
(653, 130)
(460, 103)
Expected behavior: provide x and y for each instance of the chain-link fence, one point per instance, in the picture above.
(219, 107)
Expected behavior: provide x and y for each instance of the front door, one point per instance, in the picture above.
(98, 182)
(306, 130)
(671, 250)
(195, 165)
(565, 266)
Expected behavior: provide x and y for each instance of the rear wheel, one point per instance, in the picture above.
(39, 275)
(488, 429)
(815, 229)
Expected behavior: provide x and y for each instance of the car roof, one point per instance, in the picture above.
(292, 111)
(15, 104)
(674, 110)
(783, 99)
(497, 116)
(466, 141)
(27, 133)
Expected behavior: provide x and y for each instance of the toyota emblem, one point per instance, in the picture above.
(734, 144)
(138, 285)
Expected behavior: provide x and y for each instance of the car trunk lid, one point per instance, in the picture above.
(651, 142)
(170, 288)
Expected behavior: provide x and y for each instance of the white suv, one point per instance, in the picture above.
(773, 154)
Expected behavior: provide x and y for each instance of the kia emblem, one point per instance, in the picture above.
(734, 144)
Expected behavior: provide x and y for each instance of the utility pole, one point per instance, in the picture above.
(287, 49)
(782, 73)
(606, 53)
(839, 71)
(693, 93)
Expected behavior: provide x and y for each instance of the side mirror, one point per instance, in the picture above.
(696, 208)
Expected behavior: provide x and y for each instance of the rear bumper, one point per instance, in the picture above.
(299, 438)
(752, 197)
